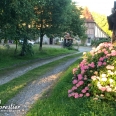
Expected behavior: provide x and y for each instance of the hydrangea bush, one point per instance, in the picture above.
(96, 75)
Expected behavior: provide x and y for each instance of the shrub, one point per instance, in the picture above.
(96, 75)
(102, 40)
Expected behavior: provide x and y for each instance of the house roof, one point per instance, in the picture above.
(87, 15)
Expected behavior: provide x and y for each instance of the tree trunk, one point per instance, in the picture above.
(41, 41)
(16, 46)
(41, 32)
(24, 47)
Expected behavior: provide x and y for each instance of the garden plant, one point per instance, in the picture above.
(95, 75)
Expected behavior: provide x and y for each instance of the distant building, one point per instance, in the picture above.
(50, 41)
(93, 30)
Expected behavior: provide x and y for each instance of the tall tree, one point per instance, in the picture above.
(77, 25)
(15, 19)
(51, 16)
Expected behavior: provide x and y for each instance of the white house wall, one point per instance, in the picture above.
(46, 40)
(99, 33)
(90, 30)
(94, 32)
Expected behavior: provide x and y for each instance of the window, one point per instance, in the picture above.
(89, 40)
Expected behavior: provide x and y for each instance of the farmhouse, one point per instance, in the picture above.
(93, 30)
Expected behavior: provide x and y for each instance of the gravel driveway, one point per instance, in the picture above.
(34, 90)
(14, 73)
(22, 70)
(27, 96)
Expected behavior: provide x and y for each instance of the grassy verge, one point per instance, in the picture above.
(58, 104)
(8, 58)
(8, 90)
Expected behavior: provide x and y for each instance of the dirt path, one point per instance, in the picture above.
(14, 73)
(34, 90)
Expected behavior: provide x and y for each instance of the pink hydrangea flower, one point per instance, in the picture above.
(113, 52)
(101, 58)
(104, 63)
(74, 88)
(83, 91)
(81, 95)
(74, 81)
(77, 85)
(102, 88)
(69, 91)
(71, 94)
(111, 47)
(82, 72)
(82, 68)
(99, 63)
(108, 55)
(86, 88)
(99, 51)
(92, 52)
(80, 77)
(105, 52)
(81, 83)
(92, 65)
(87, 94)
(86, 67)
(102, 81)
(74, 70)
(76, 95)
(93, 78)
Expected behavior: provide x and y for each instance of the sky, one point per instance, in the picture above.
(99, 6)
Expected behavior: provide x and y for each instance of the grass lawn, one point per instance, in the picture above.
(10, 89)
(56, 102)
(8, 58)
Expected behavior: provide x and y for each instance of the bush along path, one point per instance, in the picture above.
(96, 74)
(14, 73)
(31, 92)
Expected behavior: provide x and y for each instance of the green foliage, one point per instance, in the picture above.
(13, 16)
(51, 17)
(16, 20)
(9, 59)
(27, 49)
(76, 25)
(69, 47)
(27, 18)
(101, 20)
(97, 42)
